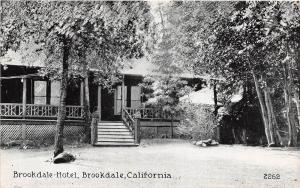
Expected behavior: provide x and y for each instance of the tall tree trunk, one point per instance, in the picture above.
(288, 112)
(292, 135)
(262, 108)
(217, 130)
(87, 113)
(215, 98)
(275, 127)
(297, 102)
(292, 115)
(58, 145)
(269, 115)
(272, 119)
(297, 60)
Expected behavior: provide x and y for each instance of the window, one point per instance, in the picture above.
(40, 94)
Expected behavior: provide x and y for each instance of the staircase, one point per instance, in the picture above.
(114, 133)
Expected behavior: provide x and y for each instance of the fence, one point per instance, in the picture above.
(37, 130)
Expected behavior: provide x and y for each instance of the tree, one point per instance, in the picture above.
(253, 44)
(259, 45)
(167, 86)
(68, 31)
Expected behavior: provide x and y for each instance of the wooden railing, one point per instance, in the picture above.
(38, 111)
(33, 110)
(152, 113)
(74, 111)
(11, 110)
(132, 124)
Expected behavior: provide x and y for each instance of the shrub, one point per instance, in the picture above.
(198, 121)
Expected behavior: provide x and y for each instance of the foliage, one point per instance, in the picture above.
(163, 91)
(198, 121)
(258, 44)
(100, 33)
(250, 44)
(75, 37)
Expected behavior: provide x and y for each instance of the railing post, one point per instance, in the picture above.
(137, 131)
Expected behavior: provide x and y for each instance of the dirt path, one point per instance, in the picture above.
(189, 166)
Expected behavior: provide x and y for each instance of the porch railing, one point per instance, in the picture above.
(38, 111)
(132, 124)
(152, 113)
(11, 110)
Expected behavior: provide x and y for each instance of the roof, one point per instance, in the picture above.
(203, 96)
(145, 67)
(33, 59)
(139, 67)
(206, 96)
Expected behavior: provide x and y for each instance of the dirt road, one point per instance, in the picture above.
(155, 163)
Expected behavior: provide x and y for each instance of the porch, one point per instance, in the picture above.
(29, 106)
(37, 122)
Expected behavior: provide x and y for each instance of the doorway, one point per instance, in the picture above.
(107, 105)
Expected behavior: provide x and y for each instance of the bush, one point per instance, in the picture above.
(198, 121)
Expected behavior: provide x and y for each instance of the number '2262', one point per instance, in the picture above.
(272, 176)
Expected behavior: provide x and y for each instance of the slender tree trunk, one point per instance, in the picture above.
(288, 108)
(275, 127)
(262, 107)
(266, 92)
(87, 113)
(217, 130)
(272, 119)
(297, 102)
(292, 115)
(297, 60)
(58, 145)
(297, 91)
(292, 136)
(215, 98)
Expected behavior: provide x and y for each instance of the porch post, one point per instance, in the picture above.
(81, 93)
(99, 102)
(24, 107)
(123, 96)
(24, 96)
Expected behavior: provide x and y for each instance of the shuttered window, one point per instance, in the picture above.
(55, 87)
(118, 100)
(135, 100)
(40, 92)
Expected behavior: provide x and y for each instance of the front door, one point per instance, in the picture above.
(107, 105)
(111, 101)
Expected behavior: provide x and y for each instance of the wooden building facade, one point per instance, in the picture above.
(29, 108)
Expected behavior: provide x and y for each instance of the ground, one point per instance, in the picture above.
(189, 166)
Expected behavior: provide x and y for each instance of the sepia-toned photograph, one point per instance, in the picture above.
(149, 94)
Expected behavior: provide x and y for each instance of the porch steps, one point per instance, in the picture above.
(114, 134)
